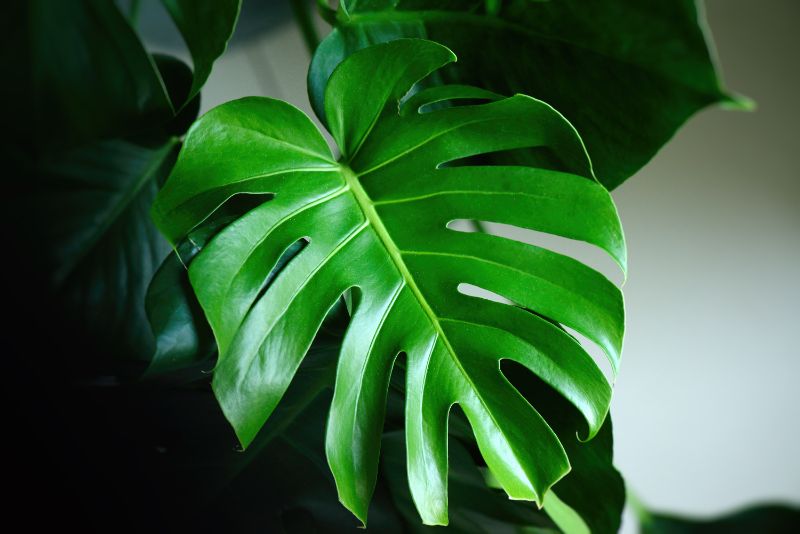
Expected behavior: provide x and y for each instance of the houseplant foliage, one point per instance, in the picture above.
(404, 175)
(101, 137)
(100, 131)
(626, 73)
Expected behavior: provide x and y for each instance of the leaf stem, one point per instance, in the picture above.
(325, 11)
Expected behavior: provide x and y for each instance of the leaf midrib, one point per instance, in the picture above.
(365, 203)
(374, 220)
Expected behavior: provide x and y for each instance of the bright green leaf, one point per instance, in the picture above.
(376, 223)
(626, 73)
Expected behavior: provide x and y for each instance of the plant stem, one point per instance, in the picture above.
(325, 11)
(302, 15)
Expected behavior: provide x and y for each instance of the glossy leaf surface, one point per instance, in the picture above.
(626, 73)
(376, 223)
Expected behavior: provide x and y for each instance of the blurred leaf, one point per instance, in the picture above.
(83, 71)
(626, 73)
(90, 75)
(563, 515)
(100, 143)
(763, 519)
(93, 239)
(206, 27)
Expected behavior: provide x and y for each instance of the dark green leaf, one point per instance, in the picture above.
(182, 336)
(764, 519)
(90, 76)
(376, 225)
(177, 78)
(87, 75)
(626, 73)
(93, 155)
(206, 27)
(93, 238)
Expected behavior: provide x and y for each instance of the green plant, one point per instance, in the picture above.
(377, 221)
(307, 274)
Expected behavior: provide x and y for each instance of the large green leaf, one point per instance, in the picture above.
(376, 224)
(592, 495)
(626, 73)
(292, 442)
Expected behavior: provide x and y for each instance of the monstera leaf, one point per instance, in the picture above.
(375, 225)
(643, 68)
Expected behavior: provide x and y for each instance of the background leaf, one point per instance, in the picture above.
(644, 67)
(95, 246)
(205, 27)
(766, 519)
(88, 72)
(89, 160)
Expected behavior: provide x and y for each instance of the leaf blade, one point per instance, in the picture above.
(354, 244)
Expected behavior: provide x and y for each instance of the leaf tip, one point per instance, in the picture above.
(736, 102)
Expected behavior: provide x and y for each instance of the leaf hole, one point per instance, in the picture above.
(422, 100)
(586, 253)
(478, 292)
(595, 351)
(559, 413)
(541, 156)
(233, 208)
(291, 252)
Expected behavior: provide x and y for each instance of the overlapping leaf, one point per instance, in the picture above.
(376, 224)
(95, 142)
(626, 73)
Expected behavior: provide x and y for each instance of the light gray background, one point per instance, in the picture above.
(707, 404)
